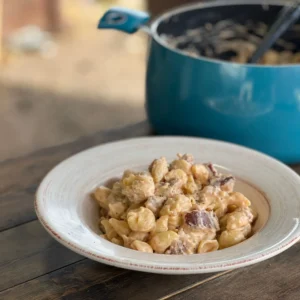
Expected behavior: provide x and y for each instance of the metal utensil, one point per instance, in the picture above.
(287, 17)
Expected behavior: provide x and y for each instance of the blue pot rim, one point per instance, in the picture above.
(185, 8)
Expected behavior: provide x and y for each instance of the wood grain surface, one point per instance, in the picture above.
(275, 278)
(35, 266)
(20, 177)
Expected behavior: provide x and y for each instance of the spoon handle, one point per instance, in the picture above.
(287, 17)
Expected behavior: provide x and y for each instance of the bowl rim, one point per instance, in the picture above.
(144, 265)
(188, 7)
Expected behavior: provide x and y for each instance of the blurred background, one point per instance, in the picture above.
(61, 78)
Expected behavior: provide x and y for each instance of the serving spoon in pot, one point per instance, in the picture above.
(286, 18)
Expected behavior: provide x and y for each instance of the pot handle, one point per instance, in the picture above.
(123, 19)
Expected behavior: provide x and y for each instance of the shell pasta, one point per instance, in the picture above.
(180, 207)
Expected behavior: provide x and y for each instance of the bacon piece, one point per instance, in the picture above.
(225, 182)
(212, 169)
(201, 219)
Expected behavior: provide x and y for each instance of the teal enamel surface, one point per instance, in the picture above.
(251, 105)
(123, 19)
(255, 106)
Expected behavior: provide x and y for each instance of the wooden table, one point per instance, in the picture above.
(34, 266)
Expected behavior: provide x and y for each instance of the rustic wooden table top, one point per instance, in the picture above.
(34, 266)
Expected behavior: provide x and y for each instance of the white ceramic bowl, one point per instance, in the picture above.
(66, 210)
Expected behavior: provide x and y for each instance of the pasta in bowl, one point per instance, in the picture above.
(178, 208)
(67, 211)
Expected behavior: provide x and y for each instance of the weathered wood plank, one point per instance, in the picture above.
(91, 280)
(62, 282)
(296, 168)
(30, 252)
(20, 177)
(276, 278)
(137, 286)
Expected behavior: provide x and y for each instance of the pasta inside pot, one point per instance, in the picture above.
(229, 36)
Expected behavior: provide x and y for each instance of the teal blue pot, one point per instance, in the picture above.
(252, 105)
